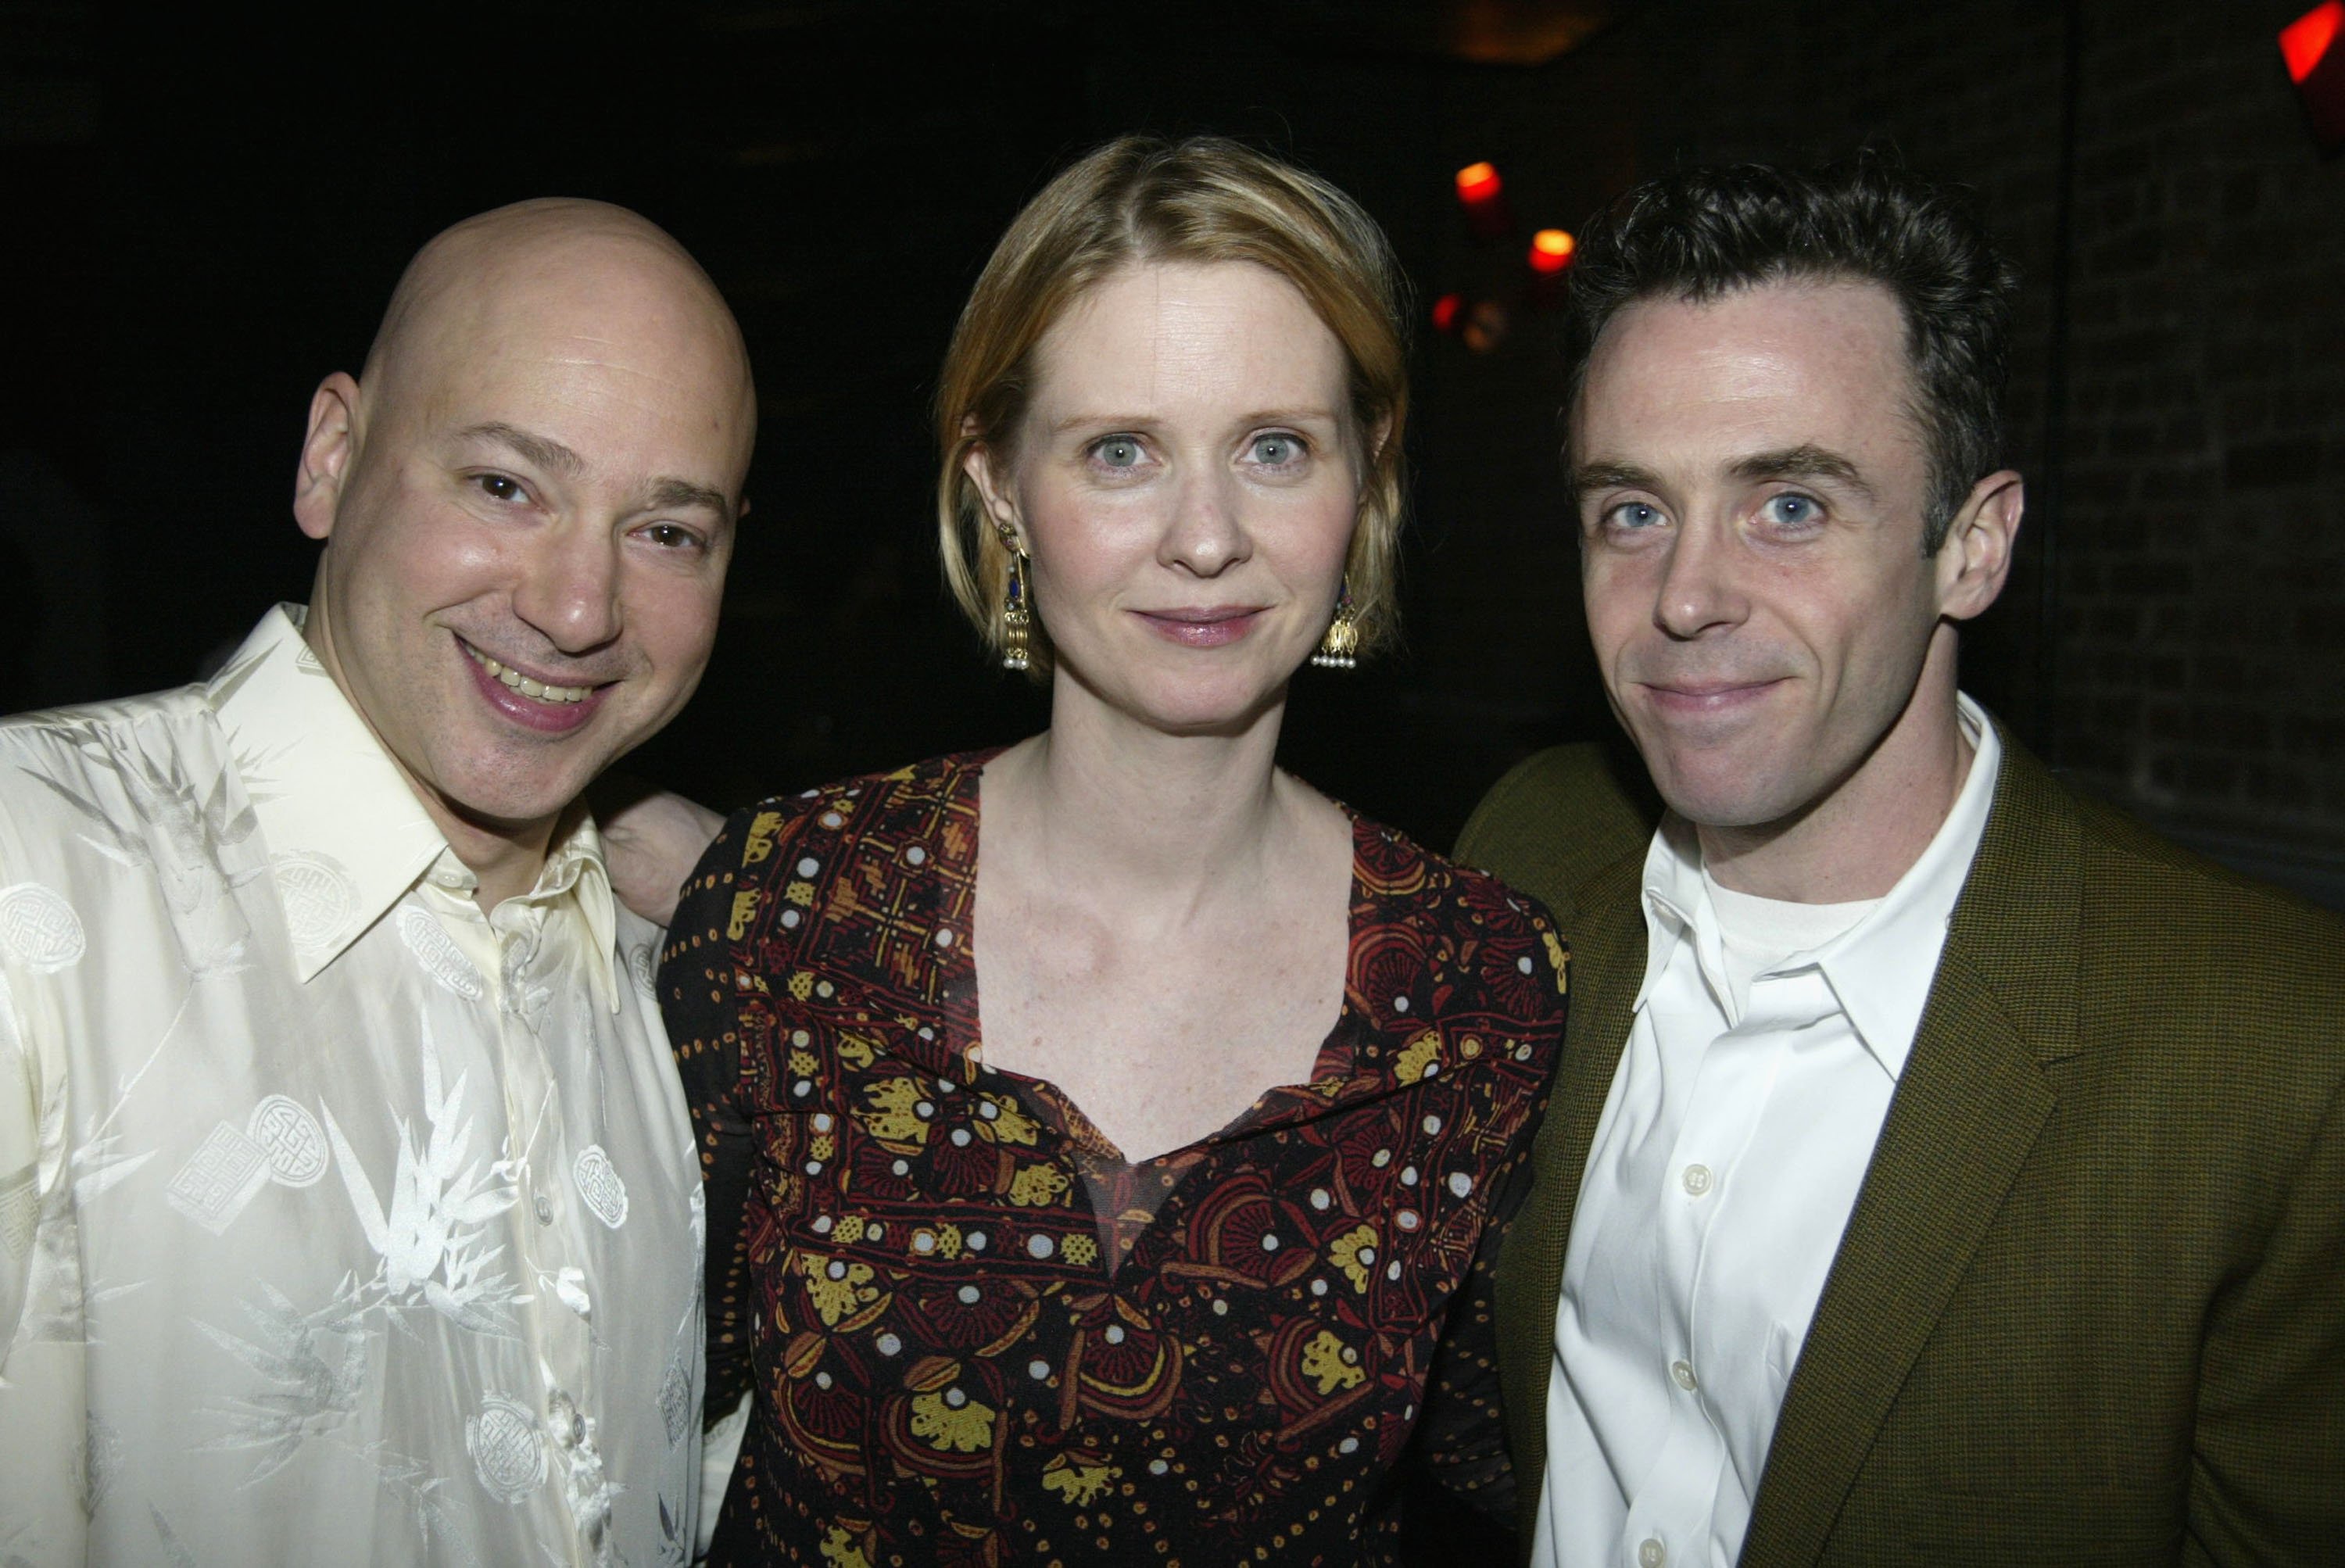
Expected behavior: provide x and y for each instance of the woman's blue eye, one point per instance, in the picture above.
(1275, 450)
(1791, 511)
(1119, 451)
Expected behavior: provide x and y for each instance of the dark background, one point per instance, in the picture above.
(204, 214)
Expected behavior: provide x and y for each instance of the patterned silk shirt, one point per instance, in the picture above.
(976, 1334)
(339, 1223)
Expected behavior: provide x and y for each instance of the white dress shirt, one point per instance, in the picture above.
(340, 1222)
(1767, 1041)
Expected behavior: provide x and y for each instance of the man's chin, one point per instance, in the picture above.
(1714, 791)
(511, 810)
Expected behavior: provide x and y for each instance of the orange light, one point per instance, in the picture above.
(1478, 183)
(1444, 312)
(1551, 249)
(2302, 43)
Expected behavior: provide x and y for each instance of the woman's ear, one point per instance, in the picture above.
(992, 481)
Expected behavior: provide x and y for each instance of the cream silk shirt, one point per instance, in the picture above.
(339, 1223)
(1725, 1168)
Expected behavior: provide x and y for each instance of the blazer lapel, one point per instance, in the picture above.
(1970, 1104)
(1607, 933)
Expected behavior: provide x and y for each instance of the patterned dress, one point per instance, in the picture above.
(975, 1336)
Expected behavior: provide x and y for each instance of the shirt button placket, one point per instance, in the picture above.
(1652, 1553)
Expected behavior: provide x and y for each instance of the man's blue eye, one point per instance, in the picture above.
(1636, 514)
(1791, 510)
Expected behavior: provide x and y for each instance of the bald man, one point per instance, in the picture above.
(347, 1206)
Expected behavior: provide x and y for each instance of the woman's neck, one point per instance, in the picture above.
(1141, 816)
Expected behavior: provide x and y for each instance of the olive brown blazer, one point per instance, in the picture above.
(2090, 1304)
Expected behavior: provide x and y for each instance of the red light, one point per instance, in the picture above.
(1551, 249)
(1444, 312)
(1478, 183)
(2302, 43)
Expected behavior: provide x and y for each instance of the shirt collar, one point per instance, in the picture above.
(1882, 968)
(346, 835)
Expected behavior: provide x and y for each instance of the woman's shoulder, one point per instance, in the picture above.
(928, 794)
(1417, 884)
(1461, 944)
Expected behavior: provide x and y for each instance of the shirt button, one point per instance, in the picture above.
(1652, 1553)
(1681, 1374)
(1698, 1180)
(544, 1207)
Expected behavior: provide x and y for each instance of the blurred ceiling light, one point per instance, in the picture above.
(2305, 41)
(1485, 326)
(1551, 250)
(1518, 31)
(1478, 182)
(2316, 63)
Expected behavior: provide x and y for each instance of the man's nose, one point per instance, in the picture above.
(570, 588)
(1206, 534)
(1700, 589)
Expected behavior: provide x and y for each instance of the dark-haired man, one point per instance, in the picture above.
(1947, 1169)
(349, 1208)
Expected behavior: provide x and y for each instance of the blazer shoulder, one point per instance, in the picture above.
(2194, 911)
(1559, 819)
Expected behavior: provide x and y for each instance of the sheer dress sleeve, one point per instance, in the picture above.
(702, 1005)
(1460, 1441)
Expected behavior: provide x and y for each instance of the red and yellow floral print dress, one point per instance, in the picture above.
(975, 1336)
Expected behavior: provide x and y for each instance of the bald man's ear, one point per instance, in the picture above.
(326, 455)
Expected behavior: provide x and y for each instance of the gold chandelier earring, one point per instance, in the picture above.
(1340, 648)
(1017, 620)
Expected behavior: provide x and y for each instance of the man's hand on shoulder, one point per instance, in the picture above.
(652, 838)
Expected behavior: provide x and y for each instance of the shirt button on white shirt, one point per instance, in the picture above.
(1681, 1374)
(545, 1208)
(1698, 1181)
(1652, 1553)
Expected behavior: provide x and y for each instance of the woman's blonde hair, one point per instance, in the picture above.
(1141, 200)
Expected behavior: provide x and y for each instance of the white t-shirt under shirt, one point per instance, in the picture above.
(1767, 1042)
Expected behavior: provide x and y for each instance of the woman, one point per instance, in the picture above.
(1100, 1132)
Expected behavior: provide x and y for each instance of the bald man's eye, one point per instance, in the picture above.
(674, 536)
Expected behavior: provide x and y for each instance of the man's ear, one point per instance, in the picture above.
(326, 455)
(1975, 558)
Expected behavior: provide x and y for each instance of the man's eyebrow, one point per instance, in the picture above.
(1802, 462)
(666, 493)
(540, 450)
(676, 493)
(1613, 476)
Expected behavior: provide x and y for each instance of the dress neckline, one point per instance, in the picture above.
(1331, 1064)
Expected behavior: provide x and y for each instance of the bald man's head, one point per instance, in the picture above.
(606, 263)
(527, 500)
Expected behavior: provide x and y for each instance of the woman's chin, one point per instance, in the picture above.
(1221, 705)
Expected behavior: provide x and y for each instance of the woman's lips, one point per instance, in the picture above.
(1207, 628)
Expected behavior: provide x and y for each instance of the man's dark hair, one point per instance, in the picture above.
(1705, 232)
